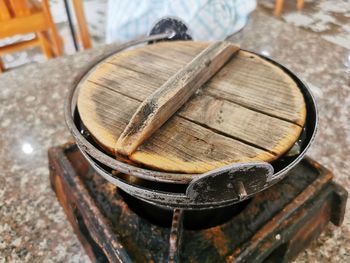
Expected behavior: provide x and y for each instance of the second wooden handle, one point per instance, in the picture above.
(164, 102)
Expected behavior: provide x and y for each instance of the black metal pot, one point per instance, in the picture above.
(217, 188)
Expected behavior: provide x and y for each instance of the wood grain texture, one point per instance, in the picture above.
(250, 110)
(157, 108)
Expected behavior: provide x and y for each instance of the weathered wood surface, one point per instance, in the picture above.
(250, 110)
(165, 101)
(297, 209)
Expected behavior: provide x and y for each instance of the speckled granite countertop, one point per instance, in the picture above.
(33, 227)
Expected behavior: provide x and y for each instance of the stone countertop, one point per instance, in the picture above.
(33, 227)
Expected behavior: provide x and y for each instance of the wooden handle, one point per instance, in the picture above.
(164, 102)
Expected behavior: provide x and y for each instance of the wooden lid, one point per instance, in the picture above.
(251, 110)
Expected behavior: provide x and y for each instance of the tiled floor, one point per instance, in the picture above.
(328, 18)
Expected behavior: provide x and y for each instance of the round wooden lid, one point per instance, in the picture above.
(251, 110)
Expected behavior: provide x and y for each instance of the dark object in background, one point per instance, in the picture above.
(179, 29)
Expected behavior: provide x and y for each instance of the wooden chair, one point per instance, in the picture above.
(18, 17)
(279, 6)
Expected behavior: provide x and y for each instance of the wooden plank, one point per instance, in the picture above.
(165, 101)
(241, 123)
(216, 113)
(23, 25)
(19, 46)
(174, 147)
(256, 87)
(181, 146)
(110, 95)
(247, 80)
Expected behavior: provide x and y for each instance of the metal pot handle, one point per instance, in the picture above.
(238, 180)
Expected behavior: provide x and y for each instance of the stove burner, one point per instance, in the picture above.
(193, 219)
(274, 226)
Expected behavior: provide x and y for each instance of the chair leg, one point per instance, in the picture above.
(2, 66)
(83, 29)
(300, 4)
(45, 44)
(56, 40)
(278, 7)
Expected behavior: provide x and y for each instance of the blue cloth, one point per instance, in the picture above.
(206, 19)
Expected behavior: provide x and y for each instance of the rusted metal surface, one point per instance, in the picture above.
(276, 223)
(175, 236)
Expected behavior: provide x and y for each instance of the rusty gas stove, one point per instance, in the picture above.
(239, 213)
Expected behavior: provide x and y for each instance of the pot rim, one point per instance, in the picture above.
(168, 177)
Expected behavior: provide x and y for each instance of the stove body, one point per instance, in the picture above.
(273, 226)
